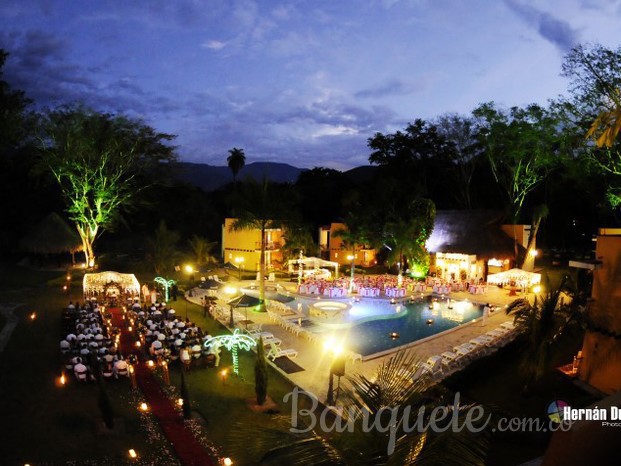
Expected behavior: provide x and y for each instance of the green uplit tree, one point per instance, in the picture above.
(101, 162)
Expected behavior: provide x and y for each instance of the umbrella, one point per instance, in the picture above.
(244, 300)
(210, 284)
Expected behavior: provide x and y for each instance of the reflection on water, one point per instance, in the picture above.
(421, 320)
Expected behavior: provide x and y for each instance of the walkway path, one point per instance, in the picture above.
(188, 449)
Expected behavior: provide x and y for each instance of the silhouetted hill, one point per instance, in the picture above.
(211, 177)
(362, 174)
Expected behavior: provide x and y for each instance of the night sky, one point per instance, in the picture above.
(303, 82)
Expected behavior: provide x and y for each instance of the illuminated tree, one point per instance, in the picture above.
(523, 146)
(595, 74)
(405, 236)
(236, 161)
(101, 162)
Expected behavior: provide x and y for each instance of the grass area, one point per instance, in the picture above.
(225, 405)
(43, 423)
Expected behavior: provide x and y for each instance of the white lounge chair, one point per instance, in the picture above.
(277, 352)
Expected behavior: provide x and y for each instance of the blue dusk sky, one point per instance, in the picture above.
(304, 82)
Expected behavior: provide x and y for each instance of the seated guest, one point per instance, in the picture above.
(120, 367)
(80, 370)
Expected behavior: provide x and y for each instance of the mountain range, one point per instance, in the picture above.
(211, 177)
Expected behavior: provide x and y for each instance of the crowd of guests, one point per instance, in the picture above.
(165, 336)
(89, 343)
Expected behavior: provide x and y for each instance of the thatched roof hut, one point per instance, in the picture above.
(474, 232)
(52, 236)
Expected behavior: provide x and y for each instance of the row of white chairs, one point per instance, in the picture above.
(440, 366)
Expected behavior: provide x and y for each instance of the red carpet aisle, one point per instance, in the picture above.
(189, 451)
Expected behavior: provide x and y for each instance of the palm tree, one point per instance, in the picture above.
(374, 400)
(202, 248)
(354, 237)
(261, 212)
(541, 323)
(297, 238)
(236, 161)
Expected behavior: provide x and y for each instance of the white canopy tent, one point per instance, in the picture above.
(110, 284)
(312, 263)
(517, 277)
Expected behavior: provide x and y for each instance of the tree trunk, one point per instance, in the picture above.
(262, 270)
(529, 260)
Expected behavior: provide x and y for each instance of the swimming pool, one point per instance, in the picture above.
(406, 323)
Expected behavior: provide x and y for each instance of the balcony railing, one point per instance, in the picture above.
(269, 245)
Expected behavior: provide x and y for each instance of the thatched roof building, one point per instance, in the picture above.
(473, 232)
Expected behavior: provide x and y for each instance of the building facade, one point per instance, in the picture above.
(242, 248)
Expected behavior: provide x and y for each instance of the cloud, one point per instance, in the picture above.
(554, 30)
(214, 44)
(392, 87)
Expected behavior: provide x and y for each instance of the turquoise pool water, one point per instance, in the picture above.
(414, 321)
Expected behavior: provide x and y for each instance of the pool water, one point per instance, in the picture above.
(414, 322)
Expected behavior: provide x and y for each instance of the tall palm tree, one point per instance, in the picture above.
(390, 391)
(542, 322)
(236, 161)
(261, 211)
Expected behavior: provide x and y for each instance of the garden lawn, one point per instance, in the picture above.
(45, 423)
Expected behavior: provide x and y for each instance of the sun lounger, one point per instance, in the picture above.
(277, 352)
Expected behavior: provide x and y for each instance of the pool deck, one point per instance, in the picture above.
(316, 363)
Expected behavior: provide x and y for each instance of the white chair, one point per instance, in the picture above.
(276, 352)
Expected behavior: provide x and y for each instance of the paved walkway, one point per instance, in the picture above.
(316, 363)
(188, 449)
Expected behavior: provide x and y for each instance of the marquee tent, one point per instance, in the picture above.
(110, 284)
(517, 277)
(312, 263)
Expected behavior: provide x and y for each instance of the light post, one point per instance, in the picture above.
(240, 263)
(352, 258)
(189, 270)
(337, 367)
